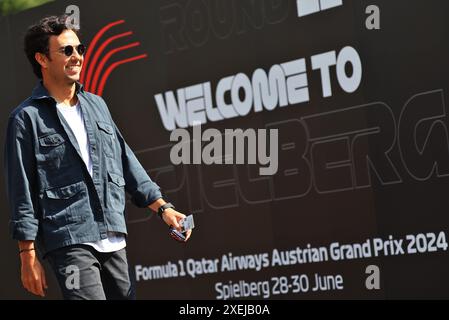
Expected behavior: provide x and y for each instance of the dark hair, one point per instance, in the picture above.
(37, 36)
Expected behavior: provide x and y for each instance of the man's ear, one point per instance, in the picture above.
(42, 59)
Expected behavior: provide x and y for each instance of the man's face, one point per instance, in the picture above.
(61, 67)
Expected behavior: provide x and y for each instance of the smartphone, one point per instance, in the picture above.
(175, 234)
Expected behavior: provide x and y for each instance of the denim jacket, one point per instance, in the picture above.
(53, 199)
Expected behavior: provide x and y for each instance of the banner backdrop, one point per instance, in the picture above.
(356, 204)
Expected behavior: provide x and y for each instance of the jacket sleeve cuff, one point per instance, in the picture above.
(23, 229)
(146, 195)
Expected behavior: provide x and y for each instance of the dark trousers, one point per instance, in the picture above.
(86, 274)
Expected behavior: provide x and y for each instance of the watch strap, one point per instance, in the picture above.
(163, 207)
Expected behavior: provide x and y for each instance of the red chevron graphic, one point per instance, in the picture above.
(91, 76)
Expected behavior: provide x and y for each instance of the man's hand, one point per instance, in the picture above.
(172, 217)
(32, 273)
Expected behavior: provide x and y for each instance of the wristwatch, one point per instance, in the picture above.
(163, 207)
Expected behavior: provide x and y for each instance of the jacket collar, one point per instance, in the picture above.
(40, 92)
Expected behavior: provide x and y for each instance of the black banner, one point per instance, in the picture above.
(354, 206)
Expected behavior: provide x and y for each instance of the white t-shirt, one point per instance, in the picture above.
(74, 117)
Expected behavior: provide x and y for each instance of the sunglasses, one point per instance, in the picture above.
(68, 50)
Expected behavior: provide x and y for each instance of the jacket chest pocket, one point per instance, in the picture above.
(107, 138)
(51, 150)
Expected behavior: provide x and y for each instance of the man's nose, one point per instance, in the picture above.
(76, 57)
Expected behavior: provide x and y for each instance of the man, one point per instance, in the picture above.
(68, 167)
